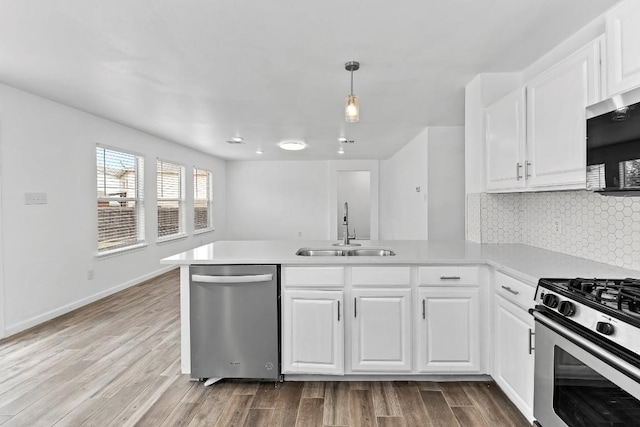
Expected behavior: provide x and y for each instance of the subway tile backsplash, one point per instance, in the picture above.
(580, 223)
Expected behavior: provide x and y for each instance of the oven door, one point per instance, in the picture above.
(577, 383)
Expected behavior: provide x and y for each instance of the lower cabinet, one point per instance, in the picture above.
(313, 332)
(381, 330)
(377, 320)
(513, 354)
(448, 330)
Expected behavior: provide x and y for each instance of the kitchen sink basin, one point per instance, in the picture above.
(345, 252)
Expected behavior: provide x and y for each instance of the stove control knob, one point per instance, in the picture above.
(550, 300)
(567, 308)
(604, 328)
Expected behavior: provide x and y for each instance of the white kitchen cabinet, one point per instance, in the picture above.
(556, 120)
(623, 46)
(381, 330)
(513, 356)
(448, 330)
(313, 332)
(505, 138)
(539, 144)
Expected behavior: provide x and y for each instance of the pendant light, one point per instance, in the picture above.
(352, 106)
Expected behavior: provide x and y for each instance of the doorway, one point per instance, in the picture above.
(354, 188)
(354, 182)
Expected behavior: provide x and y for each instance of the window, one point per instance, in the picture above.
(120, 199)
(202, 199)
(170, 181)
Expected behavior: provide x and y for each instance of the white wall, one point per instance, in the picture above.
(403, 211)
(277, 200)
(446, 183)
(49, 249)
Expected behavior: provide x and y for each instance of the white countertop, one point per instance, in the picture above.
(526, 262)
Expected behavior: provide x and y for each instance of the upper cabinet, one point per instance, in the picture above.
(505, 140)
(623, 46)
(536, 136)
(556, 120)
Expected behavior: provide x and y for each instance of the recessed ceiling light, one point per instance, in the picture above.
(341, 150)
(292, 145)
(259, 151)
(342, 139)
(235, 140)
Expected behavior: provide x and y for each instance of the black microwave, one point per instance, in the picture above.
(613, 145)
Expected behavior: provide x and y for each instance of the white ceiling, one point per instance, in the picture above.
(199, 72)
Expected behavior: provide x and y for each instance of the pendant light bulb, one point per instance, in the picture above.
(352, 110)
(352, 106)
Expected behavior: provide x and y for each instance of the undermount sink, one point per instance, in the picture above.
(345, 252)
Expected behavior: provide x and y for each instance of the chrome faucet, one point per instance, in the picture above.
(345, 236)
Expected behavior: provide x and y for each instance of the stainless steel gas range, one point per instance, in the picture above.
(587, 364)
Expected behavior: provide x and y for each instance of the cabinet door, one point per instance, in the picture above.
(623, 45)
(513, 360)
(313, 337)
(381, 332)
(505, 128)
(448, 330)
(556, 120)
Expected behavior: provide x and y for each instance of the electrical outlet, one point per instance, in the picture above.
(91, 274)
(35, 198)
(557, 225)
(417, 189)
(299, 233)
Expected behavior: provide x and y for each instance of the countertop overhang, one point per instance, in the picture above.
(525, 262)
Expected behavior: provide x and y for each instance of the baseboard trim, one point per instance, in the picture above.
(52, 314)
(388, 377)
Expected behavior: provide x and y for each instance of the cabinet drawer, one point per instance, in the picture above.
(449, 276)
(514, 290)
(313, 276)
(381, 276)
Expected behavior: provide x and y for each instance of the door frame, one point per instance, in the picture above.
(335, 166)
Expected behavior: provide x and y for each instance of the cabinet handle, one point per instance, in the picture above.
(531, 347)
(518, 167)
(508, 289)
(424, 308)
(449, 277)
(527, 165)
(338, 311)
(355, 307)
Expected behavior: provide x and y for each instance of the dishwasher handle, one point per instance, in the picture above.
(251, 278)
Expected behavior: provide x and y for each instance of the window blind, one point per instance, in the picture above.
(170, 183)
(630, 173)
(595, 177)
(120, 199)
(202, 199)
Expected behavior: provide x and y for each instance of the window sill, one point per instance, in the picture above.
(203, 230)
(121, 251)
(171, 238)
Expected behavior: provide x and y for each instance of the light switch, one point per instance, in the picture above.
(417, 189)
(35, 198)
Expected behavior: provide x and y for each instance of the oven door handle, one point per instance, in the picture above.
(587, 345)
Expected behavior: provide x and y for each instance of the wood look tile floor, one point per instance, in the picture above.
(116, 362)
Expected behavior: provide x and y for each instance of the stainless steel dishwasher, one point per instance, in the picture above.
(235, 322)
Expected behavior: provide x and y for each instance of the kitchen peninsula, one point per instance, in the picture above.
(432, 309)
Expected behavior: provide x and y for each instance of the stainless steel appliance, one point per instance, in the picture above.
(613, 145)
(587, 364)
(235, 322)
